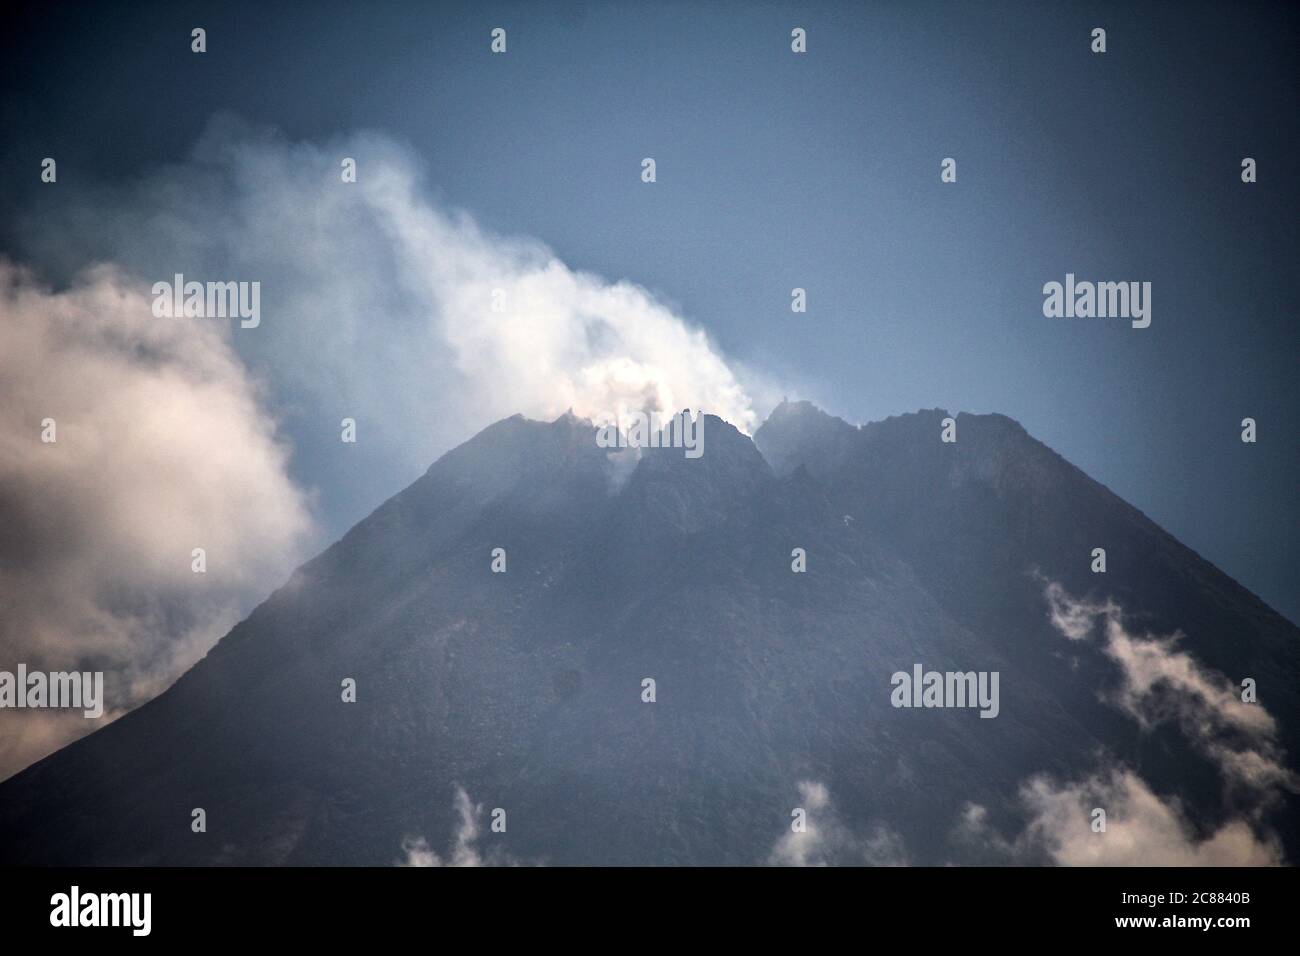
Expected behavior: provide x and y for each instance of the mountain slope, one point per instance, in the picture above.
(525, 688)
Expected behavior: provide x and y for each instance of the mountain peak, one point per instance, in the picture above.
(523, 686)
(799, 433)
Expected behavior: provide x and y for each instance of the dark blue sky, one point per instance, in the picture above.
(819, 171)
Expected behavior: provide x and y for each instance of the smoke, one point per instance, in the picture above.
(159, 447)
(377, 304)
(380, 304)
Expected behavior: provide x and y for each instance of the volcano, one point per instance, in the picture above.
(544, 652)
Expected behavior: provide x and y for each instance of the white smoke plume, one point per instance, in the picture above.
(380, 303)
(377, 304)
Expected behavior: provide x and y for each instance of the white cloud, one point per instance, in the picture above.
(1159, 683)
(463, 850)
(161, 448)
(826, 841)
(1141, 828)
(376, 304)
(1074, 618)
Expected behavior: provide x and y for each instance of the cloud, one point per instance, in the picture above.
(380, 304)
(1158, 684)
(463, 850)
(1141, 828)
(161, 447)
(1074, 618)
(376, 304)
(1161, 683)
(824, 840)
